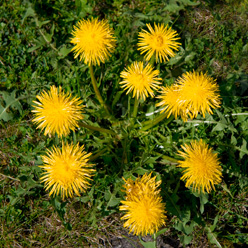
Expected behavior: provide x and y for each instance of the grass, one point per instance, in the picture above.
(35, 54)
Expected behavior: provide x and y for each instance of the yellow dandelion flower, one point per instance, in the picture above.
(202, 167)
(66, 171)
(141, 80)
(57, 112)
(93, 40)
(171, 102)
(160, 42)
(145, 212)
(193, 93)
(199, 93)
(146, 183)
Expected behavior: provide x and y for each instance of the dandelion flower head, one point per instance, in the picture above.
(202, 168)
(57, 112)
(199, 93)
(66, 171)
(94, 41)
(192, 94)
(140, 80)
(144, 210)
(170, 96)
(160, 42)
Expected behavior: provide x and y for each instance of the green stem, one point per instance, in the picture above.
(99, 129)
(128, 107)
(154, 238)
(172, 160)
(92, 158)
(98, 94)
(16, 179)
(155, 121)
(135, 107)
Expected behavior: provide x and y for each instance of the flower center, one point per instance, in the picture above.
(160, 41)
(64, 171)
(140, 81)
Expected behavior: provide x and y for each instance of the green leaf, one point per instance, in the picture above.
(203, 201)
(171, 205)
(219, 127)
(113, 201)
(212, 237)
(148, 244)
(40, 24)
(189, 228)
(243, 149)
(10, 100)
(161, 232)
(117, 98)
(212, 227)
(175, 59)
(83, 199)
(140, 171)
(185, 239)
(64, 51)
(190, 57)
(31, 49)
(186, 216)
(30, 12)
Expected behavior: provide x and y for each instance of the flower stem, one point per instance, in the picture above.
(92, 158)
(151, 123)
(154, 238)
(99, 129)
(98, 94)
(16, 179)
(135, 107)
(172, 160)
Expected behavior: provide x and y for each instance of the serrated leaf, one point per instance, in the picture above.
(31, 49)
(212, 238)
(84, 199)
(175, 59)
(30, 12)
(64, 51)
(243, 149)
(10, 101)
(189, 228)
(113, 201)
(148, 244)
(221, 116)
(4, 115)
(219, 127)
(171, 205)
(161, 232)
(245, 48)
(107, 195)
(212, 227)
(203, 201)
(141, 171)
(185, 216)
(186, 239)
(233, 140)
(40, 24)
(48, 37)
(117, 97)
(190, 57)
(179, 226)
